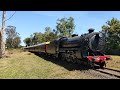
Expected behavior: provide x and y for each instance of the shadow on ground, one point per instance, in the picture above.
(68, 65)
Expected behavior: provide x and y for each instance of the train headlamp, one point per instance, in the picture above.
(96, 59)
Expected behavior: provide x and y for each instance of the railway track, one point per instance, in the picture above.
(111, 72)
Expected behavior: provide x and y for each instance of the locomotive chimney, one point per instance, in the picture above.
(91, 30)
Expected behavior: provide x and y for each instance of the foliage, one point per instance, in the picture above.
(113, 31)
(13, 38)
(39, 37)
(65, 26)
(36, 38)
(27, 41)
(49, 34)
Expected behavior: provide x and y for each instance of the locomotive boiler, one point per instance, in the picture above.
(87, 48)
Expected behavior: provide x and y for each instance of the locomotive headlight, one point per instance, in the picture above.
(96, 59)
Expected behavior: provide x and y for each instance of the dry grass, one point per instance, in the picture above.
(114, 63)
(26, 65)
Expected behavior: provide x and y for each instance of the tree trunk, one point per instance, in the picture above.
(2, 43)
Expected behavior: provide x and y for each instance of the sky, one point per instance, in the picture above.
(28, 22)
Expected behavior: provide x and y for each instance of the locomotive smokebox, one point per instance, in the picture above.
(96, 43)
(91, 30)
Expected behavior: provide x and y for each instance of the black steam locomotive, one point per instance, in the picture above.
(87, 48)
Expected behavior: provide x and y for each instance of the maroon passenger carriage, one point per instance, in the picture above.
(87, 48)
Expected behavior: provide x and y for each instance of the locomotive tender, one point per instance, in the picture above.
(87, 48)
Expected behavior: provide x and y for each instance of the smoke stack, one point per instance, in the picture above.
(91, 30)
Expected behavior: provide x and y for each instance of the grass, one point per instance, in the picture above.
(26, 65)
(114, 63)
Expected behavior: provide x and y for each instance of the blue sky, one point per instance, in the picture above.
(28, 22)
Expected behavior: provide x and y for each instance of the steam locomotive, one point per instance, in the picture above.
(87, 49)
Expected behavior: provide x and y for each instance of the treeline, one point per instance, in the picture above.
(112, 28)
(64, 27)
(39, 37)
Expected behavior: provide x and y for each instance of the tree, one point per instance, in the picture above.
(27, 41)
(47, 30)
(50, 34)
(2, 43)
(16, 42)
(65, 26)
(13, 38)
(34, 39)
(113, 31)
